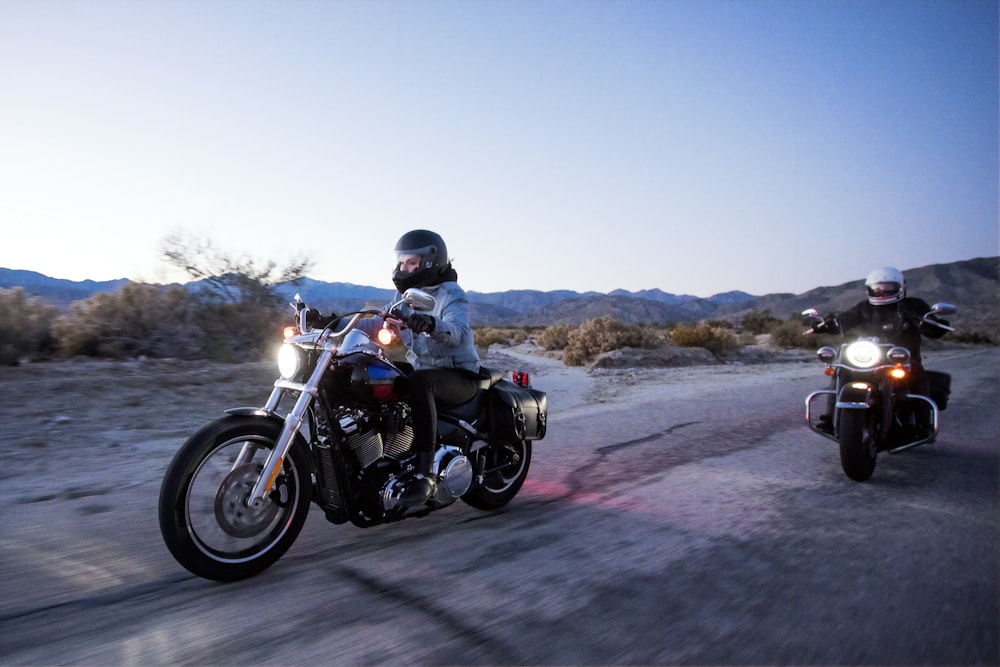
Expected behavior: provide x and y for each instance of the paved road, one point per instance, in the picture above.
(697, 523)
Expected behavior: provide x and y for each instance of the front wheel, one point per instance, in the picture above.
(505, 471)
(204, 518)
(857, 446)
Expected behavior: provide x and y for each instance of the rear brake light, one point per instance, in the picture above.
(520, 378)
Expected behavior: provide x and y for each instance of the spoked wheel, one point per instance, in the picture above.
(204, 517)
(857, 446)
(505, 472)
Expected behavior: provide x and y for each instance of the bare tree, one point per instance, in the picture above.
(234, 279)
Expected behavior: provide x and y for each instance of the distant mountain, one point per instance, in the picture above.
(58, 291)
(973, 285)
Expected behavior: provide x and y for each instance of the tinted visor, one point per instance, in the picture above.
(882, 290)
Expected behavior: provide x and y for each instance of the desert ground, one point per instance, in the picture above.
(680, 515)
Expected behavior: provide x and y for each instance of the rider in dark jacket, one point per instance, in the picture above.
(891, 315)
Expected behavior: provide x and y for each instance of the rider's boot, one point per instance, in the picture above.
(420, 490)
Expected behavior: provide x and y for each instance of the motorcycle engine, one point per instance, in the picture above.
(454, 477)
(364, 435)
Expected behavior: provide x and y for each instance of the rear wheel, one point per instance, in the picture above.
(204, 518)
(505, 472)
(857, 446)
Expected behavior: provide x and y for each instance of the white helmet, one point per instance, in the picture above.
(885, 285)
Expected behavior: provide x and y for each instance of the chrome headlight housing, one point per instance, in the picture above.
(826, 354)
(863, 354)
(898, 355)
(289, 361)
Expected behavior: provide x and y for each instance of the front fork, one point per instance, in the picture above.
(293, 421)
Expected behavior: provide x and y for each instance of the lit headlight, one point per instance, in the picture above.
(289, 361)
(863, 354)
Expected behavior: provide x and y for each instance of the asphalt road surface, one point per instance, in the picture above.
(682, 516)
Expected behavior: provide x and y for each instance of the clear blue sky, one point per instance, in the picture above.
(696, 146)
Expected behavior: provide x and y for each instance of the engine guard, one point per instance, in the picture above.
(840, 404)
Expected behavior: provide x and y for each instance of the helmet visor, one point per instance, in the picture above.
(884, 290)
(413, 260)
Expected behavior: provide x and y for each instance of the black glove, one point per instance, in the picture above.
(421, 323)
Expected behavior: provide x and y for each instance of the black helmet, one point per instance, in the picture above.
(432, 254)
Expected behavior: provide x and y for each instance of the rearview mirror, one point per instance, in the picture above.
(417, 299)
(943, 309)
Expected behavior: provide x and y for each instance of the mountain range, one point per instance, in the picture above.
(974, 285)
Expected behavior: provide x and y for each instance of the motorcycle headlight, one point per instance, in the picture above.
(863, 354)
(289, 361)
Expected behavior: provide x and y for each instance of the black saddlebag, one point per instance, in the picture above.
(517, 413)
(940, 388)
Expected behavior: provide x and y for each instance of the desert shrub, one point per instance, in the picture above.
(150, 320)
(555, 337)
(759, 322)
(789, 334)
(140, 319)
(486, 336)
(24, 325)
(604, 335)
(714, 339)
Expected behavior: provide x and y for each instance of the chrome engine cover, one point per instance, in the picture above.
(454, 477)
(454, 472)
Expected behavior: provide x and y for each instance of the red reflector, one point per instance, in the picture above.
(520, 378)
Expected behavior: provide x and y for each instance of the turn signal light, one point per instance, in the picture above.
(288, 332)
(898, 373)
(829, 370)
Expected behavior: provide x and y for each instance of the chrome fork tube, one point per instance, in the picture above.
(293, 421)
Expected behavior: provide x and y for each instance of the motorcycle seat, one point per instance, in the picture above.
(489, 377)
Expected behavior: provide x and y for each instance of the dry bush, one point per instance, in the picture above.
(486, 336)
(24, 325)
(759, 322)
(713, 338)
(604, 335)
(555, 337)
(789, 334)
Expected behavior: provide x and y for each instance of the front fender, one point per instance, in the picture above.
(256, 412)
(856, 396)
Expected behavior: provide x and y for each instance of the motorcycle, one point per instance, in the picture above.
(337, 431)
(874, 410)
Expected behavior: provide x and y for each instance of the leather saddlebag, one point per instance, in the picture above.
(940, 388)
(517, 413)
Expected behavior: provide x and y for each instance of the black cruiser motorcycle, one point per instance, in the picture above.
(336, 431)
(873, 408)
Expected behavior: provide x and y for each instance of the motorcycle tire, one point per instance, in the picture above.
(205, 523)
(505, 472)
(857, 446)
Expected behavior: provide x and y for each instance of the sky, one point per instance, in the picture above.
(694, 146)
